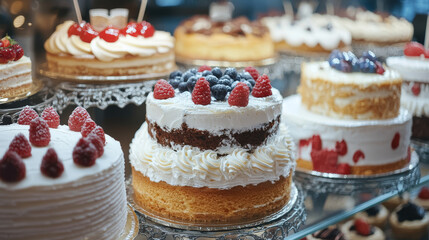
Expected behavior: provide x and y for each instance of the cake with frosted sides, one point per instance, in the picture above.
(414, 69)
(15, 69)
(234, 40)
(212, 148)
(78, 49)
(347, 117)
(57, 184)
(306, 36)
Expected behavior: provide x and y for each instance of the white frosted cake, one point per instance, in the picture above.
(82, 203)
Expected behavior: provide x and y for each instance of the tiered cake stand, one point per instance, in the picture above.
(276, 226)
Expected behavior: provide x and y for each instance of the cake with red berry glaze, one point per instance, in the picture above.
(360, 229)
(414, 69)
(347, 118)
(212, 148)
(77, 49)
(15, 69)
(57, 184)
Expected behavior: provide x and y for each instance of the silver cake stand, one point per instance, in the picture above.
(422, 149)
(329, 183)
(276, 226)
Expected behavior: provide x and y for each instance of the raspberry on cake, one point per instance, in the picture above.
(47, 186)
(347, 118)
(199, 159)
(15, 69)
(77, 49)
(360, 229)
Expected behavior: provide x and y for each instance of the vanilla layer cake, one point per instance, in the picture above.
(128, 55)
(369, 146)
(415, 90)
(213, 163)
(198, 38)
(327, 91)
(15, 77)
(83, 203)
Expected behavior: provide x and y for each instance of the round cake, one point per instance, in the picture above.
(349, 122)
(219, 162)
(306, 36)
(15, 69)
(414, 69)
(236, 40)
(77, 49)
(84, 202)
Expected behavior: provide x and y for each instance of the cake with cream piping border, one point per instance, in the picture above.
(347, 117)
(57, 184)
(214, 152)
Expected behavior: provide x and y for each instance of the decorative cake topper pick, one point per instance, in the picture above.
(77, 9)
(221, 11)
(142, 10)
(287, 5)
(427, 33)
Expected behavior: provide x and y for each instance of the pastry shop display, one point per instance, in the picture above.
(137, 49)
(305, 37)
(234, 40)
(375, 215)
(414, 69)
(409, 221)
(330, 233)
(15, 69)
(422, 198)
(57, 184)
(361, 229)
(212, 148)
(347, 117)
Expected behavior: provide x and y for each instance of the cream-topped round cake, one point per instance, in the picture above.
(82, 203)
(306, 36)
(415, 88)
(212, 163)
(110, 52)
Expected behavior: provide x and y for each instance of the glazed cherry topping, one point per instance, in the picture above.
(414, 49)
(130, 29)
(75, 29)
(109, 34)
(88, 33)
(145, 29)
(416, 89)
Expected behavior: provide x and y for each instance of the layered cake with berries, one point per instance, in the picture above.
(59, 181)
(235, 40)
(15, 69)
(347, 118)
(77, 49)
(360, 229)
(212, 148)
(306, 36)
(414, 69)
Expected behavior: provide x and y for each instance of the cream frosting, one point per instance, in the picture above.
(372, 137)
(297, 34)
(410, 68)
(190, 166)
(219, 115)
(60, 43)
(83, 202)
(417, 105)
(353, 235)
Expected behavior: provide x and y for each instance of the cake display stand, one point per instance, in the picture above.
(39, 97)
(422, 149)
(330, 183)
(276, 226)
(131, 227)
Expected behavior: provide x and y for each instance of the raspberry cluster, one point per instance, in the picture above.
(10, 50)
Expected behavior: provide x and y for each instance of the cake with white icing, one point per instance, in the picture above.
(78, 49)
(414, 69)
(306, 36)
(347, 118)
(15, 69)
(77, 202)
(227, 160)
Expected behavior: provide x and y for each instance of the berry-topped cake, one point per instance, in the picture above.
(212, 148)
(235, 40)
(347, 118)
(15, 69)
(78, 49)
(360, 229)
(58, 181)
(305, 36)
(414, 69)
(376, 215)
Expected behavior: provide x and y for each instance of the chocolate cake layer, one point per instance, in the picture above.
(205, 140)
(420, 128)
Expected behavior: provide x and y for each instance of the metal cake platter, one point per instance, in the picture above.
(43, 70)
(422, 149)
(131, 227)
(399, 180)
(290, 218)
